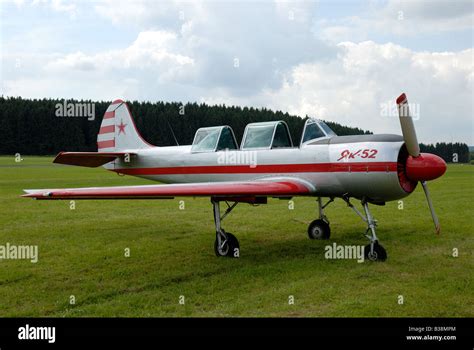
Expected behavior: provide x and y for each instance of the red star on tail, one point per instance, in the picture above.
(121, 127)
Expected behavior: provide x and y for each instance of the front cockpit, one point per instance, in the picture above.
(315, 129)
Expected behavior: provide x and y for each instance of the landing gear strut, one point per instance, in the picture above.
(319, 228)
(226, 244)
(373, 251)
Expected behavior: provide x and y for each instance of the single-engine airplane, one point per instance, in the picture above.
(371, 168)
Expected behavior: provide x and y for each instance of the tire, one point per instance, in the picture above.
(319, 229)
(231, 248)
(380, 254)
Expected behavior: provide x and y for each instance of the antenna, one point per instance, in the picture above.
(172, 132)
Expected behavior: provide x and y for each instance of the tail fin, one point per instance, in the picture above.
(118, 131)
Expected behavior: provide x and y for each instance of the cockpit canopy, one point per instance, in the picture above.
(315, 129)
(267, 135)
(215, 138)
(264, 135)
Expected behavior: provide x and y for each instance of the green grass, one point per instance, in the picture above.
(81, 253)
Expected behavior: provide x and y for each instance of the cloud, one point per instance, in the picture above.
(243, 47)
(401, 18)
(148, 14)
(366, 77)
(153, 51)
(151, 64)
(183, 51)
(61, 6)
(70, 7)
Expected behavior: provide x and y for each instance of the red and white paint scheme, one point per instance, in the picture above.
(371, 168)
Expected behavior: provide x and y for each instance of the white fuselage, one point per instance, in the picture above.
(357, 169)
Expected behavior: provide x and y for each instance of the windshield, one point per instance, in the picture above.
(315, 129)
(312, 131)
(327, 129)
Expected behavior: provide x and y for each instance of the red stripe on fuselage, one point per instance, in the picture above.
(267, 168)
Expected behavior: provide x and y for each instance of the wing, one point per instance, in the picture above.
(283, 187)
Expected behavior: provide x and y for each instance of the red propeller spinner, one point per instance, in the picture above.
(425, 167)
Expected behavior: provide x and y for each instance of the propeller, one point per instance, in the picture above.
(430, 204)
(408, 129)
(419, 166)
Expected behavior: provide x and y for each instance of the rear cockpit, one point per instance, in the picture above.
(215, 138)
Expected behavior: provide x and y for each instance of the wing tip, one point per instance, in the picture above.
(36, 194)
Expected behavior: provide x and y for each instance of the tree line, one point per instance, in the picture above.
(34, 126)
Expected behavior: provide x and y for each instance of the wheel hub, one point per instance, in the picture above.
(373, 256)
(317, 232)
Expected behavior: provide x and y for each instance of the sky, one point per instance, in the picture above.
(341, 61)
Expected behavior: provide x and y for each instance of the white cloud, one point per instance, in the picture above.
(61, 6)
(148, 14)
(152, 51)
(401, 18)
(185, 51)
(352, 88)
(69, 6)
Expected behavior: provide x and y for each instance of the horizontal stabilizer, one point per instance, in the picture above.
(88, 159)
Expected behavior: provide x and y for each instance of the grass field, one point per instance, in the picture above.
(81, 254)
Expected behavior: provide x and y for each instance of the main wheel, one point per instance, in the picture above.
(379, 253)
(229, 247)
(319, 229)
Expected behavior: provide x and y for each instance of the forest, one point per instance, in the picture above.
(34, 126)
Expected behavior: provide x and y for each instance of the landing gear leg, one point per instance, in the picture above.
(226, 244)
(373, 251)
(320, 229)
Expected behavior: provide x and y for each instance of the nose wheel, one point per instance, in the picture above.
(375, 253)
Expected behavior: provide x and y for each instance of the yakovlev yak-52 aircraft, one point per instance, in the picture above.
(371, 168)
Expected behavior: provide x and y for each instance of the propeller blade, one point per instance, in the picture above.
(408, 129)
(430, 204)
